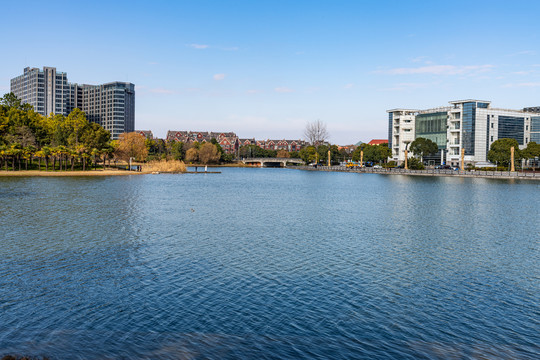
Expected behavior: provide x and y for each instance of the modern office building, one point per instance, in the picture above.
(472, 125)
(111, 105)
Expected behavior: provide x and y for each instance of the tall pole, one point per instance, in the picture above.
(328, 158)
(406, 167)
(462, 167)
(361, 158)
(512, 159)
(406, 157)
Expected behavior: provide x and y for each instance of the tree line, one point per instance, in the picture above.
(29, 140)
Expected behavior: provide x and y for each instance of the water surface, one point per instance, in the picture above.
(269, 263)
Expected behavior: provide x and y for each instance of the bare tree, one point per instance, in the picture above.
(316, 133)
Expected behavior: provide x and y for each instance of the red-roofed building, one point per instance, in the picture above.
(378, 142)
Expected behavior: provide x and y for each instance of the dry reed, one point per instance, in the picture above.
(165, 166)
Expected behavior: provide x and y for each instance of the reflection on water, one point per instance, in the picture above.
(269, 263)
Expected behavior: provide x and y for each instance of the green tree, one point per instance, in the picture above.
(423, 147)
(531, 151)
(415, 164)
(177, 150)
(499, 151)
(308, 154)
(76, 123)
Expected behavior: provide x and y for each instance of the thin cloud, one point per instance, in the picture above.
(153, 63)
(219, 77)
(162, 91)
(523, 84)
(524, 72)
(253, 91)
(205, 46)
(283, 90)
(524, 52)
(407, 86)
(348, 86)
(198, 46)
(438, 70)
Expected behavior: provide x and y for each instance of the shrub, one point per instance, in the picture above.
(165, 166)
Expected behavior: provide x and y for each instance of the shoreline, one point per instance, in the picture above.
(38, 173)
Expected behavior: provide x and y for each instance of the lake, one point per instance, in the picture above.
(269, 263)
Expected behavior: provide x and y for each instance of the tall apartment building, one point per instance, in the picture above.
(472, 125)
(111, 105)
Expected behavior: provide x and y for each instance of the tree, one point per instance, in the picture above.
(192, 155)
(316, 133)
(308, 154)
(132, 145)
(423, 147)
(499, 151)
(531, 151)
(177, 150)
(208, 153)
(76, 123)
(415, 164)
(283, 154)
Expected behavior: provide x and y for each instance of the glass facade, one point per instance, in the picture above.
(469, 123)
(432, 126)
(512, 127)
(535, 129)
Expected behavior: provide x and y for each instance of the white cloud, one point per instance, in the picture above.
(198, 46)
(524, 72)
(219, 77)
(231, 48)
(407, 86)
(348, 86)
(283, 90)
(524, 52)
(523, 84)
(438, 70)
(139, 87)
(253, 91)
(162, 91)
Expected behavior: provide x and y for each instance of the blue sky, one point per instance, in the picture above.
(264, 69)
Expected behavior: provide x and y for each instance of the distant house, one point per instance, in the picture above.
(349, 149)
(244, 142)
(288, 145)
(146, 133)
(378, 142)
(227, 140)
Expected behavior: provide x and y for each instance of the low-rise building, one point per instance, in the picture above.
(146, 133)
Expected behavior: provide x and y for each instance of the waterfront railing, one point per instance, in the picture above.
(434, 172)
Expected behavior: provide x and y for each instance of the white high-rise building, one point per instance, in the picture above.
(471, 124)
(111, 105)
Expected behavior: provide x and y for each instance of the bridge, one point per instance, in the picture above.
(272, 162)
